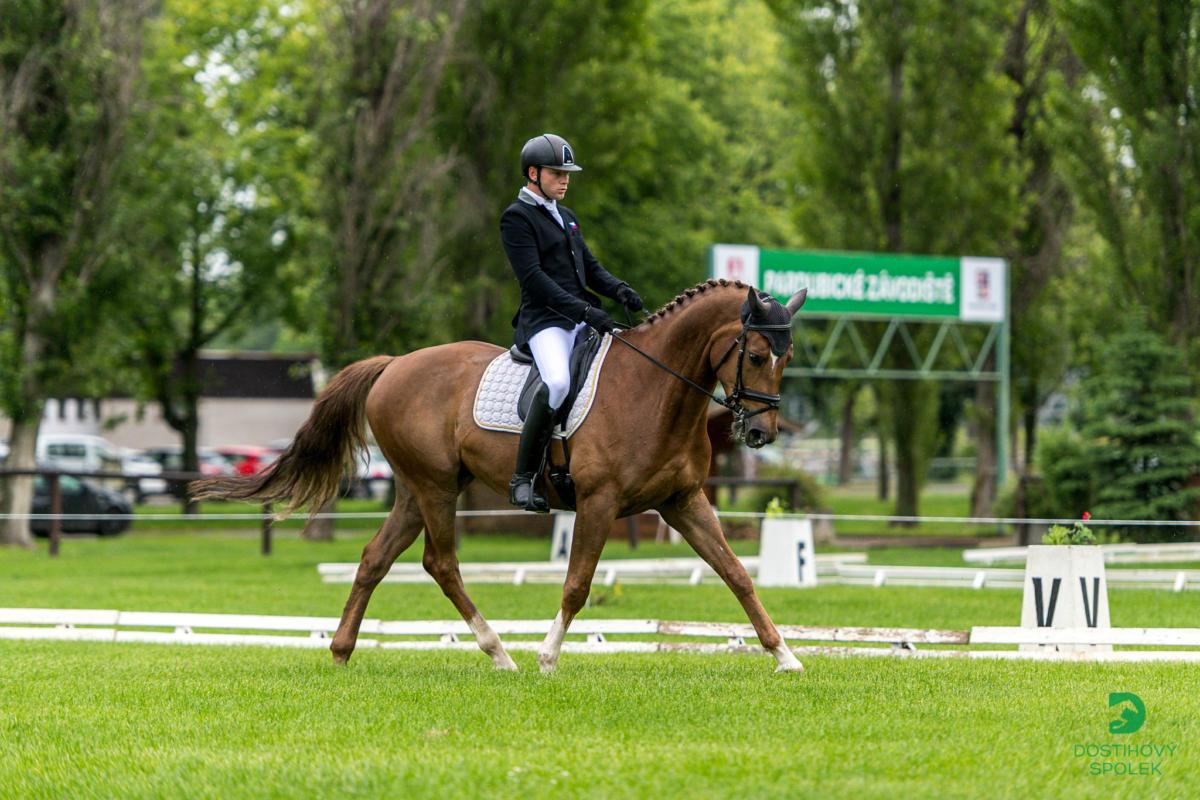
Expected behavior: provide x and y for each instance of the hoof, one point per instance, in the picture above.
(506, 664)
(547, 664)
(786, 659)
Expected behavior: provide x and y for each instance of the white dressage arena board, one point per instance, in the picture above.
(500, 387)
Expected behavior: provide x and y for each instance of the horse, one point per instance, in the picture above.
(643, 446)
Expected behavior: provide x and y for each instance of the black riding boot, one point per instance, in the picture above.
(539, 425)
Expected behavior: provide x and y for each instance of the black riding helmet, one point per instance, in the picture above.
(547, 150)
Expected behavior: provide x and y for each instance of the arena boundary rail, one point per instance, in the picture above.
(106, 625)
(848, 569)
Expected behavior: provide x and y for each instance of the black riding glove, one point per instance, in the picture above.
(627, 297)
(599, 319)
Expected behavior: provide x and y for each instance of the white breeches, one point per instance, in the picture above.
(551, 350)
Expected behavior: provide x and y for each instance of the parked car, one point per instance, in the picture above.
(211, 463)
(375, 472)
(170, 457)
(78, 452)
(134, 462)
(81, 452)
(80, 497)
(247, 459)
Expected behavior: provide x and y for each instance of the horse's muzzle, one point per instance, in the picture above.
(756, 438)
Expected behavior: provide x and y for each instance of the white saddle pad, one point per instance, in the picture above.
(499, 389)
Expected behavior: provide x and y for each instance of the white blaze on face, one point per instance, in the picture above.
(774, 359)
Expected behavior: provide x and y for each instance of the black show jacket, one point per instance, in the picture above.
(555, 268)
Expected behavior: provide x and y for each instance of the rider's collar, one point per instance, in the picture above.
(535, 199)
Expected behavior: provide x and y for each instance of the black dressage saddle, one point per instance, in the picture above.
(587, 344)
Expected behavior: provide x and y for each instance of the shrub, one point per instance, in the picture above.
(1066, 475)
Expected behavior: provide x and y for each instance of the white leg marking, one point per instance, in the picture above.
(787, 659)
(489, 642)
(548, 655)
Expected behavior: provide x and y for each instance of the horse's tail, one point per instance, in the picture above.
(310, 470)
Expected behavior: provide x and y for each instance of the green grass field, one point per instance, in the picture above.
(103, 720)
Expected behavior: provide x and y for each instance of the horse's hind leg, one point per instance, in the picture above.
(441, 562)
(398, 531)
(692, 516)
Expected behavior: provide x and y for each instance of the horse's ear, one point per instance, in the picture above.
(757, 307)
(795, 301)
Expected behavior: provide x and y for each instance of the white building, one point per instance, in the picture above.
(246, 398)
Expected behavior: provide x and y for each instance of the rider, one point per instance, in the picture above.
(557, 274)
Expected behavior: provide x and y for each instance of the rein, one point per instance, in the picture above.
(734, 401)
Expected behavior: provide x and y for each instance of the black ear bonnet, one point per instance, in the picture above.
(780, 339)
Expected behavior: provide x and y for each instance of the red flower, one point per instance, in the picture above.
(1087, 515)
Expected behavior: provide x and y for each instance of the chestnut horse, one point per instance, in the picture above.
(643, 446)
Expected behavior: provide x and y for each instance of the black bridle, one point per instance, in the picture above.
(733, 401)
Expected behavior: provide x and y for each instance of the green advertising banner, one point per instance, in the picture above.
(970, 289)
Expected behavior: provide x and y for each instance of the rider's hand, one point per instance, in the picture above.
(599, 319)
(627, 297)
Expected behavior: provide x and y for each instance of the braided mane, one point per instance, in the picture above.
(688, 294)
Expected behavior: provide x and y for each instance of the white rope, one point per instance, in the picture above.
(335, 515)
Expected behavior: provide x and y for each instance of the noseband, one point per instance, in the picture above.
(734, 401)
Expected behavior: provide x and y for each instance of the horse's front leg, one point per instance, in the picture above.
(593, 519)
(693, 517)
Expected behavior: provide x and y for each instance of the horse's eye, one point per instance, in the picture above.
(756, 359)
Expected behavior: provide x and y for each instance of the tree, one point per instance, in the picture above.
(68, 75)
(902, 147)
(211, 216)
(1130, 133)
(1139, 431)
(673, 109)
(386, 188)
(1040, 66)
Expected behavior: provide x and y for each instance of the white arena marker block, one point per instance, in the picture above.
(1180, 581)
(564, 532)
(1065, 587)
(980, 580)
(786, 556)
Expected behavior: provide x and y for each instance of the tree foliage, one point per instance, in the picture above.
(68, 73)
(1140, 450)
(1129, 135)
(384, 198)
(902, 147)
(209, 219)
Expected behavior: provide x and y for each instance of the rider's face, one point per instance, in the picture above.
(554, 182)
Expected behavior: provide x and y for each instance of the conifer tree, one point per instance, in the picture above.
(1141, 446)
